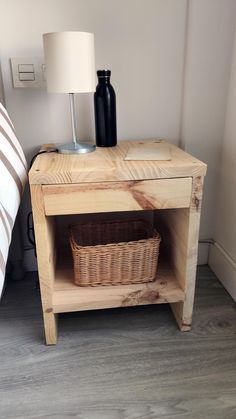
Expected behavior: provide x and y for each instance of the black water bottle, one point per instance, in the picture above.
(105, 111)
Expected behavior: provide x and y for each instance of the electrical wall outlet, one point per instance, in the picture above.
(28, 72)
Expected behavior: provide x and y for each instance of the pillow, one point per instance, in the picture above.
(13, 176)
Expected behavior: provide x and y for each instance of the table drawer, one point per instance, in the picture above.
(117, 196)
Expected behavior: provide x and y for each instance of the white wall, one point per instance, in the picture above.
(2, 100)
(161, 91)
(223, 253)
(141, 41)
(210, 35)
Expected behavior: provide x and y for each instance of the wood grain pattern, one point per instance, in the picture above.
(124, 363)
(68, 297)
(108, 164)
(117, 196)
(183, 311)
(104, 182)
(44, 235)
(181, 237)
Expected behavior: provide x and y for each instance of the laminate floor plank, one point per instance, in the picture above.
(129, 363)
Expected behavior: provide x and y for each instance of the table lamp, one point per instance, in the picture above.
(70, 68)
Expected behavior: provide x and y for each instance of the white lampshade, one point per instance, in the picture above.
(70, 62)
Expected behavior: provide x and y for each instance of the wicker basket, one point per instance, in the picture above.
(114, 252)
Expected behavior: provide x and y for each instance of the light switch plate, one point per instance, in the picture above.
(27, 76)
(36, 77)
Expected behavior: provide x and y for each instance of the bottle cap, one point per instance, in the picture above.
(104, 73)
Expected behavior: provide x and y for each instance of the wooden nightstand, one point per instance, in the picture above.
(104, 182)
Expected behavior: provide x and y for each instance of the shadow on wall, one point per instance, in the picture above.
(2, 97)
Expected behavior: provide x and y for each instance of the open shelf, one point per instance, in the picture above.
(69, 297)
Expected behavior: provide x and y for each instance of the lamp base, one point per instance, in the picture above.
(75, 148)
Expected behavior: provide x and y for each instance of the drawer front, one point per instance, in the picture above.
(88, 198)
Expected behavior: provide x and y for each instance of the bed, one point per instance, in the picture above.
(13, 176)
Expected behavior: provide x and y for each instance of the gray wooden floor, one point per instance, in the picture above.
(119, 364)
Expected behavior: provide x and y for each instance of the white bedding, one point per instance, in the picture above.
(13, 175)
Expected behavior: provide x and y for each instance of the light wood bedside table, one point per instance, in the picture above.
(104, 182)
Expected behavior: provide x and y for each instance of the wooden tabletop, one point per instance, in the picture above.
(109, 164)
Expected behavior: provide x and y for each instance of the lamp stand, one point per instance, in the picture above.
(75, 147)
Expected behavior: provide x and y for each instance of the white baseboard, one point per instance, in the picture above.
(224, 267)
(203, 253)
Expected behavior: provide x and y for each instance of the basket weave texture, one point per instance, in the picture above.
(114, 252)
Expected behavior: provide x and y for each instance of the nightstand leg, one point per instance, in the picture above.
(180, 243)
(46, 258)
(185, 270)
(189, 242)
(50, 327)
